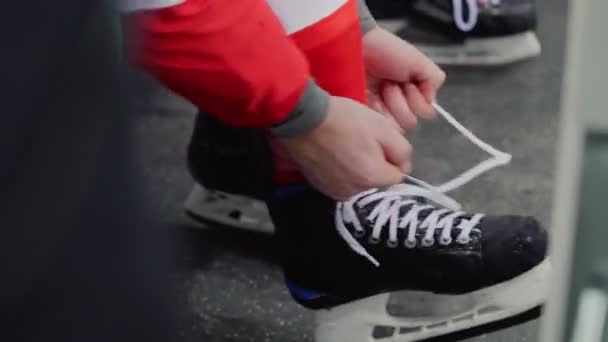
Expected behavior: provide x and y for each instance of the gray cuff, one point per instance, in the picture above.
(365, 17)
(308, 114)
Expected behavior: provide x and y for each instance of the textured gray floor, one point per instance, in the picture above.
(229, 281)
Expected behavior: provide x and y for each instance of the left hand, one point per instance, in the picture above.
(402, 82)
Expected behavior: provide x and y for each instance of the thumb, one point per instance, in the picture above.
(397, 150)
(388, 174)
(432, 83)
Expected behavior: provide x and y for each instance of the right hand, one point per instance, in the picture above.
(353, 150)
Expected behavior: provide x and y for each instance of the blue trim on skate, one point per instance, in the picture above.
(301, 293)
(290, 190)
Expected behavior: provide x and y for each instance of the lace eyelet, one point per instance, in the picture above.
(464, 240)
(445, 241)
(410, 244)
(428, 242)
(392, 244)
(359, 234)
(373, 240)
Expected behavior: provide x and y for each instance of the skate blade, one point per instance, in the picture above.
(214, 207)
(369, 320)
(485, 51)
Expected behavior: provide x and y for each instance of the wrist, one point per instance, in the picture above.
(366, 19)
(308, 114)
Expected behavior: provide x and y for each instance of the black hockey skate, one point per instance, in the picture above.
(399, 263)
(464, 32)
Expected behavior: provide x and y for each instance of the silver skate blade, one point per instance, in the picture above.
(487, 328)
(373, 319)
(530, 315)
(214, 207)
(485, 51)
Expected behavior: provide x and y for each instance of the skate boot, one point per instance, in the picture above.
(228, 158)
(402, 264)
(464, 32)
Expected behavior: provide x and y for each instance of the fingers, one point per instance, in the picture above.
(432, 80)
(396, 161)
(429, 78)
(385, 174)
(354, 149)
(384, 165)
(390, 162)
(397, 150)
(418, 102)
(397, 105)
(389, 59)
(406, 102)
(377, 105)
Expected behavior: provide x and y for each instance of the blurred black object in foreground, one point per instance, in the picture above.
(77, 261)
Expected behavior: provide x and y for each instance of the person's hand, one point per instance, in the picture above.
(353, 150)
(402, 81)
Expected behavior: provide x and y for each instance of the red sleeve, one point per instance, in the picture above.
(230, 58)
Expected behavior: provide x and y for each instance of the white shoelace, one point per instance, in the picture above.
(391, 200)
(468, 24)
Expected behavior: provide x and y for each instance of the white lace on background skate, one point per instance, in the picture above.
(468, 24)
(391, 200)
